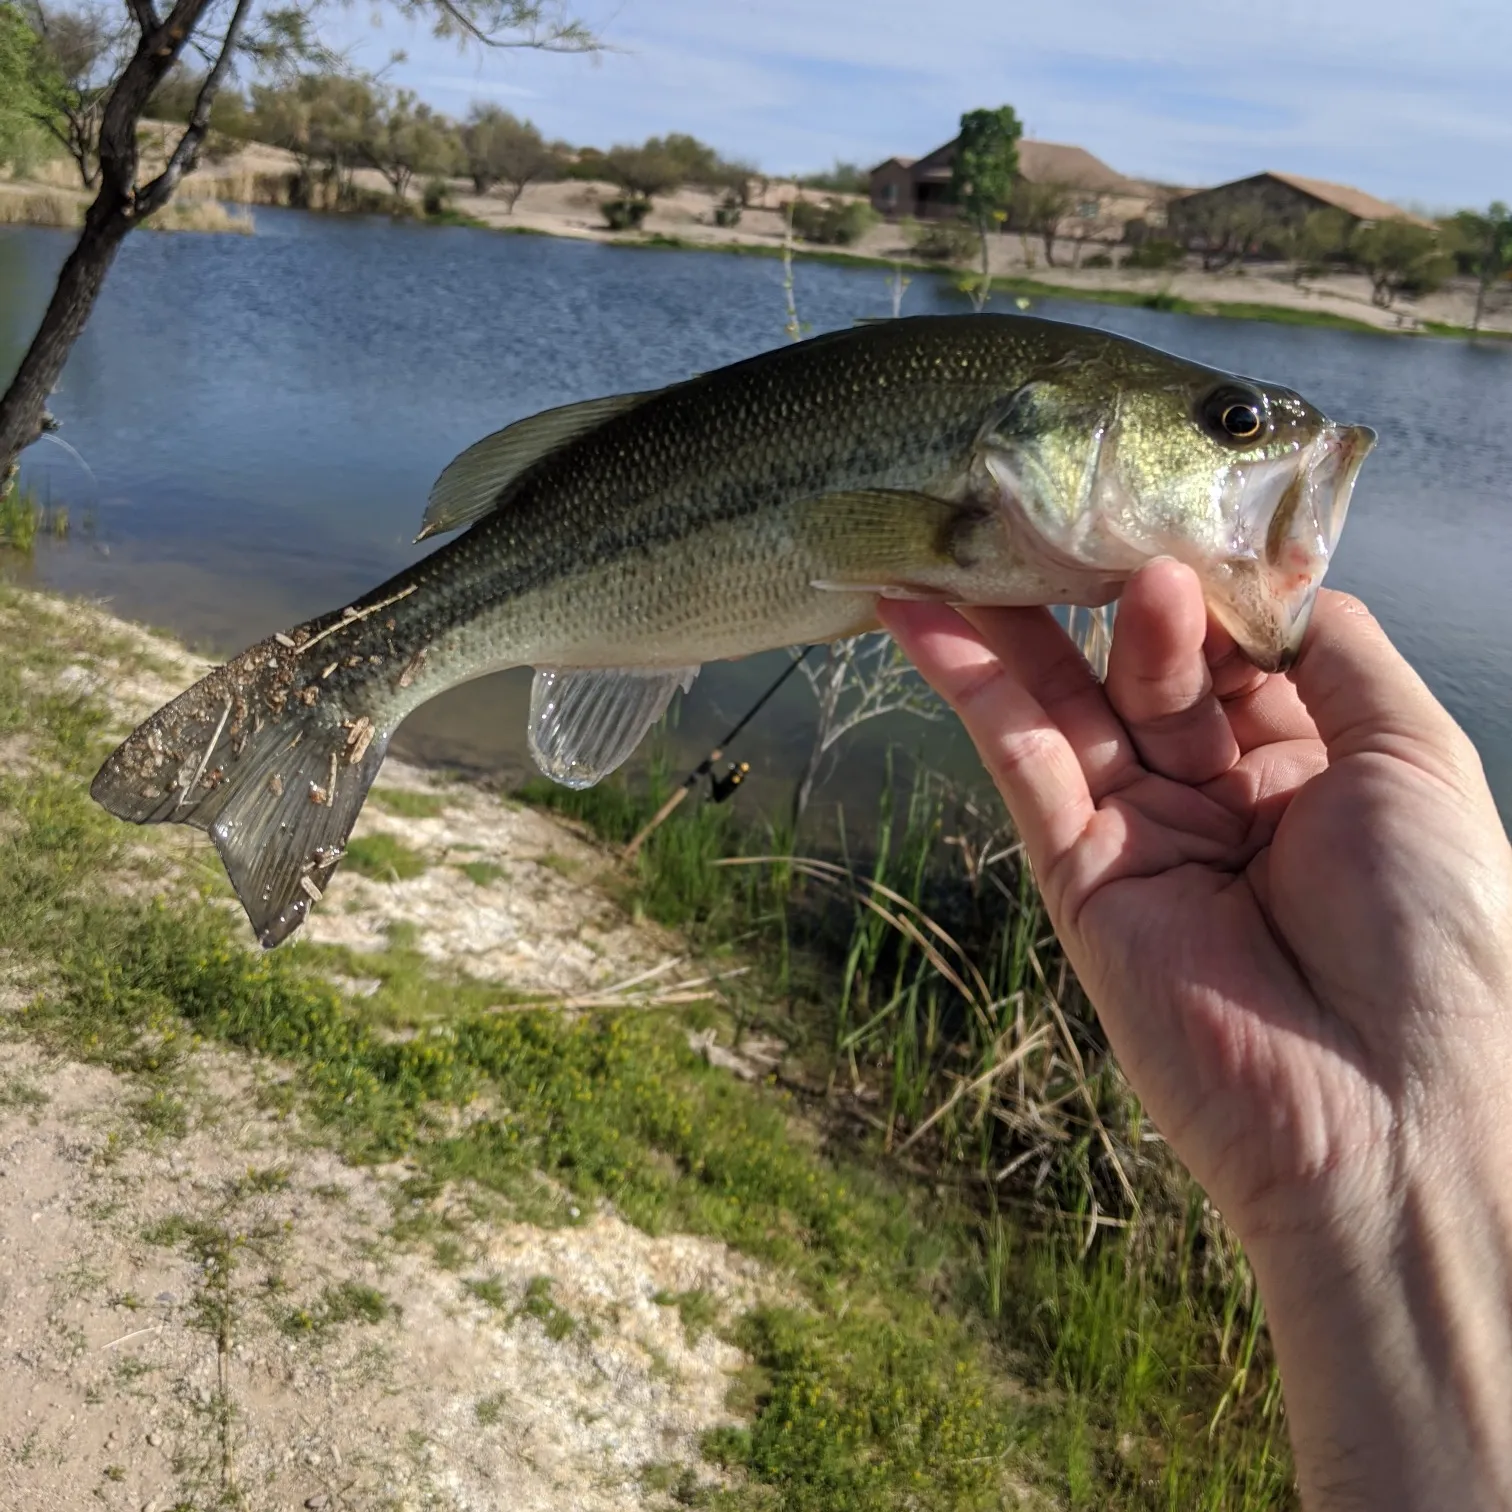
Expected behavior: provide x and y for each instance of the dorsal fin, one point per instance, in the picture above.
(472, 482)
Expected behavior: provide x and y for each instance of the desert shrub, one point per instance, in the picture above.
(943, 241)
(835, 223)
(1156, 253)
(625, 214)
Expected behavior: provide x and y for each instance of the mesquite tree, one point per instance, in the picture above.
(80, 53)
(221, 32)
(501, 149)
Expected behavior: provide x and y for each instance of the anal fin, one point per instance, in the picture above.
(586, 722)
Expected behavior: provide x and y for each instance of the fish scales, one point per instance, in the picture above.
(619, 544)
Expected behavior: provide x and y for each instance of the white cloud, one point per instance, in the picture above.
(1406, 99)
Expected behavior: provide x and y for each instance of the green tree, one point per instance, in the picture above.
(402, 136)
(1399, 257)
(500, 149)
(644, 172)
(79, 53)
(124, 77)
(230, 120)
(740, 181)
(697, 162)
(174, 99)
(1038, 210)
(1228, 231)
(1321, 238)
(320, 118)
(21, 103)
(983, 175)
(840, 178)
(1481, 242)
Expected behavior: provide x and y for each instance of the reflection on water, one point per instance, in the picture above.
(263, 417)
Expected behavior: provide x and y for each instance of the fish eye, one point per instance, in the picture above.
(1241, 421)
(1236, 416)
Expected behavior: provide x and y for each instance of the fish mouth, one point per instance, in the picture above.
(1290, 516)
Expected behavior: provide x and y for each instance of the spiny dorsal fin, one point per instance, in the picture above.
(586, 722)
(472, 482)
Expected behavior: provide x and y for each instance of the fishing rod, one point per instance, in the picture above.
(723, 786)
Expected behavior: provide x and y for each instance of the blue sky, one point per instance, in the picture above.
(1410, 99)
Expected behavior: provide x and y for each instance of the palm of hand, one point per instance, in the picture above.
(1239, 887)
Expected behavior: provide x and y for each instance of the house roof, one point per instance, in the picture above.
(1040, 163)
(1351, 201)
(1073, 167)
(902, 162)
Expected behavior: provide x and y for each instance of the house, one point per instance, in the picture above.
(1275, 200)
(1103, 198)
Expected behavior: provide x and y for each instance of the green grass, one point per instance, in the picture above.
(698, 1310)
(1463, 333)
(1287, 315)
(483, 873)
(885, 1384)
(451, 217)
(23, 519)
(162, 1113)
(384, 858)
(408, 805)
(539, 1304)
(344, 1302)
(489, 1411)
(17, 1093)
(1040, 289)
(489, 1291)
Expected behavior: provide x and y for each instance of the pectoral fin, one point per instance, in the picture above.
(894, 542)
(585, 723)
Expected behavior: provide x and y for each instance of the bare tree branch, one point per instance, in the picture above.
(155, 195)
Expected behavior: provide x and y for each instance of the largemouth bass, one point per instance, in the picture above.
(618, 544)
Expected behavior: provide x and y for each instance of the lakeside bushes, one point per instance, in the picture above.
(62, 210)
(834, 222)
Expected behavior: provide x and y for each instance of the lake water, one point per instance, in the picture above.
(263, 417)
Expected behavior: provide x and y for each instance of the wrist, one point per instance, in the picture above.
(1394, 1339)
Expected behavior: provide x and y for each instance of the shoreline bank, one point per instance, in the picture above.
(259, 176)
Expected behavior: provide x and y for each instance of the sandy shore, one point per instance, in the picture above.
(574, 209)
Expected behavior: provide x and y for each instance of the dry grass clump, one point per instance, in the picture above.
(240, 186)
(41, 207)
(202, 215)
(31, 206)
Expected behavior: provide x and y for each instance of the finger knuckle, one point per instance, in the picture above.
(1027, 748)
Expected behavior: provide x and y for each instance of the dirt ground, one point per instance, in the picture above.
(183, 1313)
(197, 1299)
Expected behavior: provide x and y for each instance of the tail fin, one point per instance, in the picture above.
(262, 756)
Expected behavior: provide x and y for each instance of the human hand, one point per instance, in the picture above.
(1290, 899)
